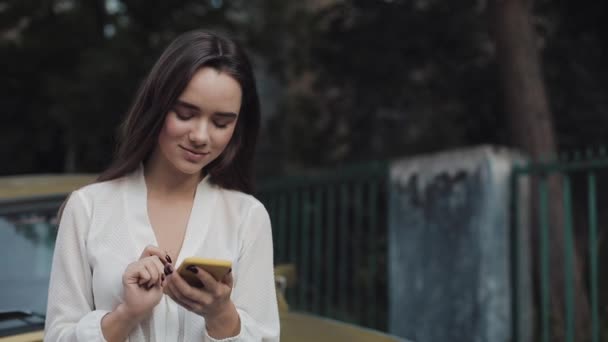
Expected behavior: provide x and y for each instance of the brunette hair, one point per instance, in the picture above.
(160, 90)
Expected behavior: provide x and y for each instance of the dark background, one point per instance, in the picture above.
(340, 81)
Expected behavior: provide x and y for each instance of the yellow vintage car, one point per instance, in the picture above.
(28, 205)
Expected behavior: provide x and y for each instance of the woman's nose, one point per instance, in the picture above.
(199, 134)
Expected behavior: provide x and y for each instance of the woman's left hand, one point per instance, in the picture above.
(211, 301)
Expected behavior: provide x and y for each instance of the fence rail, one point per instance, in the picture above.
(579, 177)
(332, 226)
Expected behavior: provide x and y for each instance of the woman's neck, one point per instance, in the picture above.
(164, 180)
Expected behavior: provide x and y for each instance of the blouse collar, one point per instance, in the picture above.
(197, 226)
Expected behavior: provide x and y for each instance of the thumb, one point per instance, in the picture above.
(228, 280)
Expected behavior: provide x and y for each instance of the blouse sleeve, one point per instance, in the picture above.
(71, 314)
(254, 292)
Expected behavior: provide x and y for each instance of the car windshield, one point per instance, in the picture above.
(27, 240)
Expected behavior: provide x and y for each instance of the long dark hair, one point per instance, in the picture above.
(160, 90)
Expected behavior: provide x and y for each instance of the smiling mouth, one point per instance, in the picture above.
(194, 152)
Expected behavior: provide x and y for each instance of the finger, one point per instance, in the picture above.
(161, 282)
(159, 268)
(177, 294)
(153, 250)
(143, 276)
(192, 294)
(228, 280)
(181, 286)
(168, 269)
(154, 274)
(211, 285)
(132, 273)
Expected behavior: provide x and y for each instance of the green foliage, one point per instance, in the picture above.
(340, 80)
(388, 79)
(575, 70)
(70, 71)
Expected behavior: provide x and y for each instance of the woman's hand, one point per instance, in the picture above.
(143, 282)
(211, 301)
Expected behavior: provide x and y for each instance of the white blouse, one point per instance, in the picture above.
(105, 227)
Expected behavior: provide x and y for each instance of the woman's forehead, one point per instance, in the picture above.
(214, 91)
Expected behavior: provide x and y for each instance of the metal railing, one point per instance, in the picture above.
(332, 226)
(580, 172)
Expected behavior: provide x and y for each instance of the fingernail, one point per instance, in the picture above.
(168, 258)
(168, 269)
(192, 269)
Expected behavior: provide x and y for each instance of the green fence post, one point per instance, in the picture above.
(282, 229)
(569, 264)
(318, 250)
(272, 201)
(330, 252)
(305, 251)
(343, 238)
(544, 256)
(515, 254)
(372, 240)
(593, 262)
(293, 239)
(358, 251)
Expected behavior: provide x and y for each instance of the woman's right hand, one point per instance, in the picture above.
(143, 282)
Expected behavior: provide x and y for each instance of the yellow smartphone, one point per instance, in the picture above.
(216, 267)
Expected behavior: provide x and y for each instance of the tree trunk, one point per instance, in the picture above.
(532, 129)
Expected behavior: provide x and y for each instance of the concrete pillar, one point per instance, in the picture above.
(449, 247)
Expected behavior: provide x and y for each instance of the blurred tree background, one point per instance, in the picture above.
(340, 80)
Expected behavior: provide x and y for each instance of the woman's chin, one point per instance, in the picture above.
(190, 169)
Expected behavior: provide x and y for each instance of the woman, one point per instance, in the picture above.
(180, 186)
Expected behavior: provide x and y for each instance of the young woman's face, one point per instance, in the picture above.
(199, 127)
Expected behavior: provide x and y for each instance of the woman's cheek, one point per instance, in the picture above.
(175, 127)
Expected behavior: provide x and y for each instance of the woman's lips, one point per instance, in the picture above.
(192, 155)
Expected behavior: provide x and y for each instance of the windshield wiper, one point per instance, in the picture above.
(22, 315)
(22, 321)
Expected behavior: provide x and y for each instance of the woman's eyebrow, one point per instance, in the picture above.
(188, 105)
(226, 114)
(196, 108)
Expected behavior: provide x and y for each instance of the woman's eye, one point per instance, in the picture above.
(220, 124)
(182, 115)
